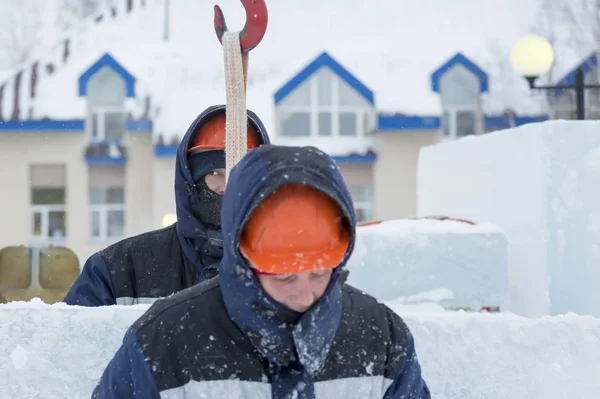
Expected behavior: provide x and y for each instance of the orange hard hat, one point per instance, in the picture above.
(211, 136)
(297, 229)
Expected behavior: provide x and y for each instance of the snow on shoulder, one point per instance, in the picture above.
(59, 351)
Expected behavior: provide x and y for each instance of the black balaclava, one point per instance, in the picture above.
(202, 163)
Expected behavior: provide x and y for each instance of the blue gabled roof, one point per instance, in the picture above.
(503, 121)
(108, 61)
(324, 60)
(420, 122)
(43, 125)
(405, 122)
(589, 64)
(459, 59)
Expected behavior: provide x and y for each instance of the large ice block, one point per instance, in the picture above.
(541, 184)
(453, 263)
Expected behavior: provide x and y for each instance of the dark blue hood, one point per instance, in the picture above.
(293, 343)
(201, 245)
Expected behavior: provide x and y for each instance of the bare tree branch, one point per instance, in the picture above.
(20, 30)
(73, 11)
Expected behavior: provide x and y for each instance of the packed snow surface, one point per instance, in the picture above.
(57, 351)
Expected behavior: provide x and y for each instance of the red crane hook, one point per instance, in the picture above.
(254, 30)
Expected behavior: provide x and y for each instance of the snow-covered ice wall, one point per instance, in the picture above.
(541, 184)
(458, 264)
(60, 352)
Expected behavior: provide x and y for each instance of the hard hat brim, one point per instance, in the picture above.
(201, 148)
(306, 262)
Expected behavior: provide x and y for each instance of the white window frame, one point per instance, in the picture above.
(452, 111)
(454, 108)
(45, 210)
(314, 108)
(103, 210)
(365, 206)
(100, 112)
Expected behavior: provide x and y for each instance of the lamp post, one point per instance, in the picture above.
(532, 56)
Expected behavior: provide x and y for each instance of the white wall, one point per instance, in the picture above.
(139, 183)
(19, 150)
(163, 191)
(395, 172)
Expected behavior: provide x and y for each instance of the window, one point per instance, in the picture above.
(48, 214)
(107, 123)
(459, 122)
(348, 123)
(106, 105)
(325, 106)
(459, 92)
(295, 124)
(363, 201)
(564, 105)
(48, 204)
(592, 101)
(107, 206)
(325, 122)
(107, 202)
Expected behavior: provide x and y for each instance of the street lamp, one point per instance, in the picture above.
(168, 219)
(532, 56)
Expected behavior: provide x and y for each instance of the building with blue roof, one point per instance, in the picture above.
(107, 155)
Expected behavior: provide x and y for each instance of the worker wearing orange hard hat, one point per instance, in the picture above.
(279, 321)
(156, 264)
(295, 219)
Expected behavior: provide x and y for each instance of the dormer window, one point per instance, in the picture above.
(460, 83)
(106, 84)
(324, 104)
(106, 105)
(459, 92)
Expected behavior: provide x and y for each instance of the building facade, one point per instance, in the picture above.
(88, 182)
(106, 173)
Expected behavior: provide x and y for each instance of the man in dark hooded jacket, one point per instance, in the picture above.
(278, 321)
(159, 263)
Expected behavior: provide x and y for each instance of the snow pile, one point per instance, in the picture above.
(403, 258)
(540, 184)
(53, 351)
(57, 351)
(428, 301)
(475, 355)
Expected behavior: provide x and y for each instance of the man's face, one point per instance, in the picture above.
(297, 292)
(215, 180)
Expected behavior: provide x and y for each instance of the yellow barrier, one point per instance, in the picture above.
(46, 273)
